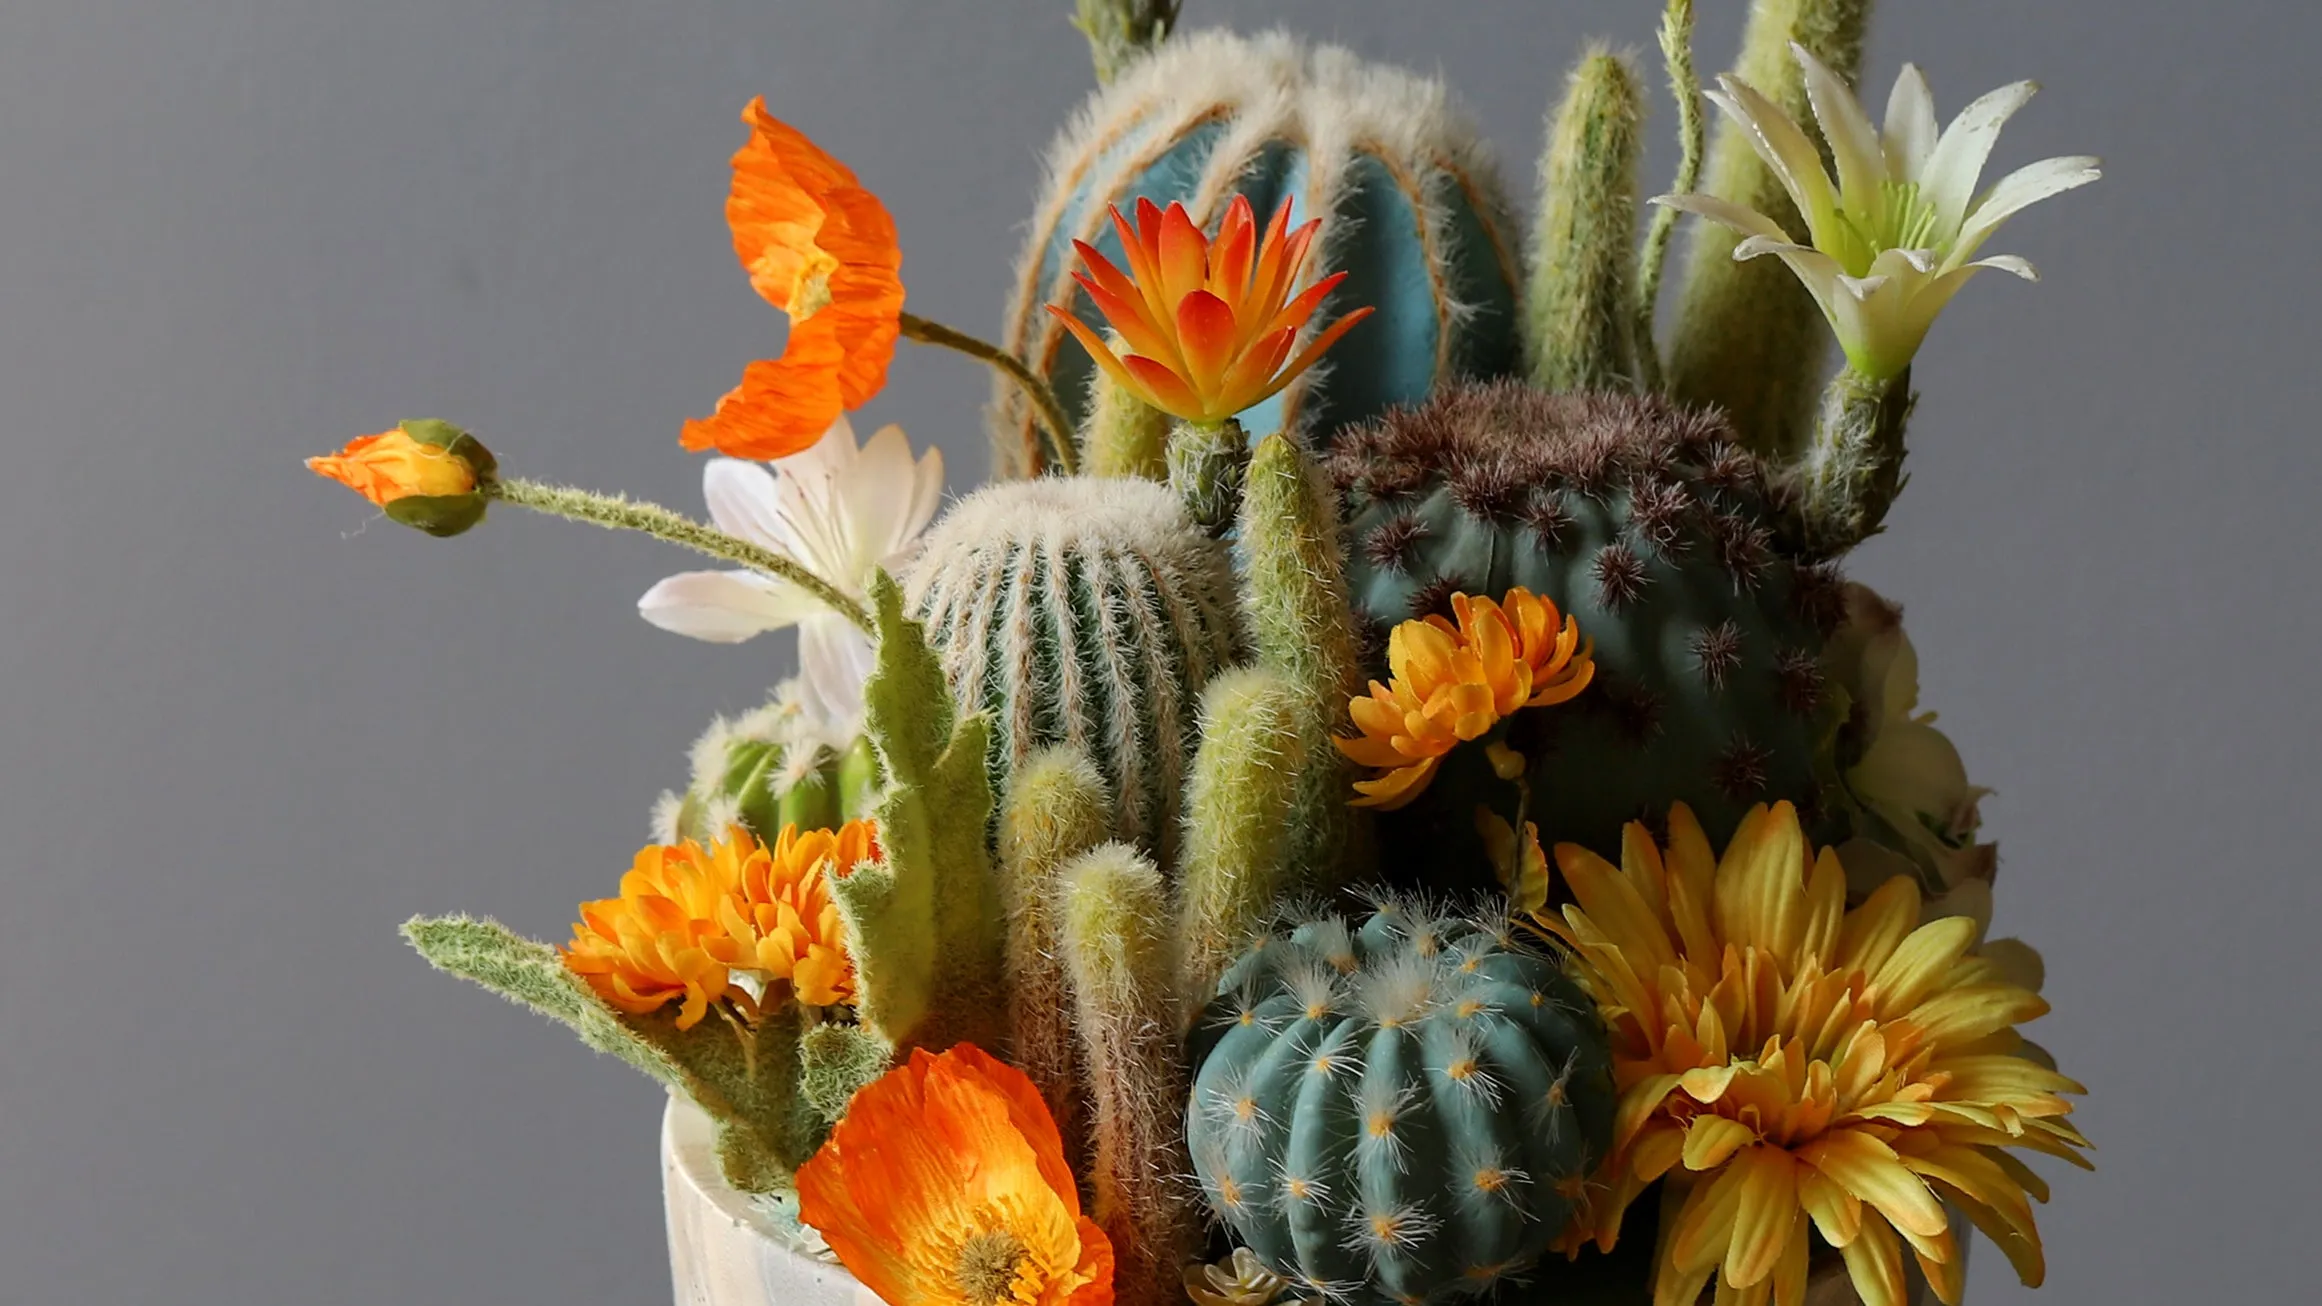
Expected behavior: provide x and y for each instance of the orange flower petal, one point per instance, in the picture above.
(1170, 391)
(1205, 328)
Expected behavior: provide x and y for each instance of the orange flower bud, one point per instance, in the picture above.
(429, 475)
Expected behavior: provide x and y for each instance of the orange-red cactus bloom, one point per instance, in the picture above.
(946, 1185)
(782, 925)
(392, 465)
(1452, 683)
(823, 250)
(653, 945)
(1208, 323)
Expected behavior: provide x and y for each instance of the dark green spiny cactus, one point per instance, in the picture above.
(1648, 524)
(1401, 1113)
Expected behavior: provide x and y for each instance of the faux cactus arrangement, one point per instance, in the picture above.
(1389, 797)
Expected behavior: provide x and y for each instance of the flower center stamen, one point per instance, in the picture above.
(987, 1267)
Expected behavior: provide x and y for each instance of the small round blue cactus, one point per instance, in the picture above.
(1410, 204)
(1399, 1113)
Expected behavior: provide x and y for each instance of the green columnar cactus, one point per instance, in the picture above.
(1235, 863)
(1408, 197)
(1748, 337)
(1294, 599)
(1650, 526)
(1056, 809)
(763, 770)
(1119, 32)
(925, 925)
(1580, 306)
(1085, 612)
(1120, 942)
(1398, 1114)
(1123, 435)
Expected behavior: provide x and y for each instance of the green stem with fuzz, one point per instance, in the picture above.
(1052, 415)
(1119, 31)
(621, 514)
(1685, 86)
(1849, 476)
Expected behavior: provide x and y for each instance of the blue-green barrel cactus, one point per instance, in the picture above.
(1410, 203)
(1649, 525)
(1399, 1113)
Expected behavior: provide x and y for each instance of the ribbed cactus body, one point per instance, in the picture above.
(1085, 612)
(766, 769)
(1399, 1113)
(1410, 203)
(1646, 523)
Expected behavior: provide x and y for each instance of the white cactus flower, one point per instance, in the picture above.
(1896, 236)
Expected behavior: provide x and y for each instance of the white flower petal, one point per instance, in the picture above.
(1854, 145)
(725, 607)
(2020, 189)
(881, 500)
(1952, 170)
(742, 501)
(2008, 263)
(1739, 217)
(1785, 149)
(834, 659)
(1910, 133)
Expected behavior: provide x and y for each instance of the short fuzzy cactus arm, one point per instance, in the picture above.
(1580, 315)
(1294, 599)
(1206, 463)
(1839, 492)
(745, 1079)
(1120, 943)
(1233, 863)
(925, 924)
(1057, 808)
(1118, 31)
(1749, 339)
(1124, 435)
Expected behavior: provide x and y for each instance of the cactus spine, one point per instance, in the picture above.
(1408, 197)
(1120, 940)
(1085, 612)
(1580, 309)
(1056, 810)
(1235, 863)
(1750, 339)
(1401, 1113)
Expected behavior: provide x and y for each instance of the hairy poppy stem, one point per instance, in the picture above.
(1685, 85)
(1052, 415)
(622, 514)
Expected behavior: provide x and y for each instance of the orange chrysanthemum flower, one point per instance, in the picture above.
(1209, 324)
(822, 249)
(655, 943)
(391, 465)
(1452, 683)
(782, 927)
(1792, 1066)
(946, 1185)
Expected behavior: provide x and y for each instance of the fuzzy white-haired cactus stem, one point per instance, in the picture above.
(1120, 942)
(1409, 199)
(1235, 864)
(1087, 612)
(1579, 309)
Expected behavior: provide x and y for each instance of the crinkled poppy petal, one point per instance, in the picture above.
(782, 405)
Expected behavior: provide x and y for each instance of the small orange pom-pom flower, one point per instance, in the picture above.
(946, 1185)
(1452, 683)
(821, 248)
(653, 945)
(782, 926)
(426, 474)
(1208, 323)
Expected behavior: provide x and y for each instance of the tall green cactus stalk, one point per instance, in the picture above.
(1676, 40)
(1294, 598)
(1235, 865)
(1749, 338)
(1841, 489)
(925, 925)
(1579, 309)
(1085, 612)
(1120, 942)
(1121, 31)
(1056, 810)
(1124, 435)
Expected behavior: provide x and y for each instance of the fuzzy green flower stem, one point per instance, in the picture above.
(1849, 477)
(1749, 339)
(1119, 31)
(1206, 463)
(1685, 87)
(1579, 307)
(616, 513)
(1051, 413)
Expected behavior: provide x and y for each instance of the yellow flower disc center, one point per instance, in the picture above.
(987, 1266)
(810, 294)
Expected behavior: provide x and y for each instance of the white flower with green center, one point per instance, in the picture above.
(1896, 236)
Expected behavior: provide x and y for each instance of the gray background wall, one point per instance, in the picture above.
(243, 734)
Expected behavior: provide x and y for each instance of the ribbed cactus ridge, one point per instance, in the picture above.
(1087, 612)
(1580, 304)
(762, 771)
(1410, 202)
(1648, 524)
(1401, 1113)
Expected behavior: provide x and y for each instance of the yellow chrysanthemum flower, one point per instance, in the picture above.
(782, 927)
(1787, 1064)
(1453, 682)
(653, 944)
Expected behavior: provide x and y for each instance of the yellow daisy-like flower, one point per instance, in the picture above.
(1453, 682)
(654, 944)
(1789, 1065)
(782, 926)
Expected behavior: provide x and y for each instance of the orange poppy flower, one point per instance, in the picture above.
(391, 465)
(822, 249)
(945, 1185)
(1209, 323)
(783, 926)
(1452, 683)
